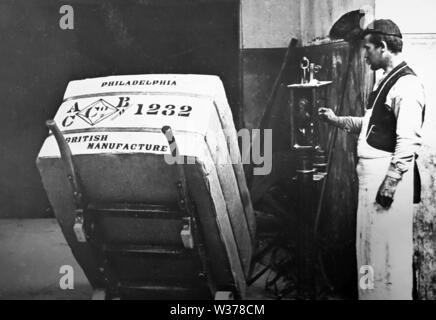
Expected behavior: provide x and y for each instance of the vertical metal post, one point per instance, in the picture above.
(306, 248)
(306, 251)
(292, 117)
(315, 118)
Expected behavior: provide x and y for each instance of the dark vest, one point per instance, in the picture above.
(382, 125)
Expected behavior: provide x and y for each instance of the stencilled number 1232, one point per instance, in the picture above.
(167, 110)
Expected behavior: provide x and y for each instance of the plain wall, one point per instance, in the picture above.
(269, 23)
(318, 16)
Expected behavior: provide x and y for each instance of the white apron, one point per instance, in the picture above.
(384, 238)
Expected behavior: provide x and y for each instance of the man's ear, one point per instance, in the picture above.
(384, 45)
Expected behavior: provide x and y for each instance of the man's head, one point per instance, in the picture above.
(382, 39)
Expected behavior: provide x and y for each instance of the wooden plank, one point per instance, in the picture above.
(211, 180)
(227, 125)
(218, 148)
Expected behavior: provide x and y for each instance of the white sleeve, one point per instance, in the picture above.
(408, 102)
(351, 124)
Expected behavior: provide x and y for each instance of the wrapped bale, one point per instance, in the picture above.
(112, 126)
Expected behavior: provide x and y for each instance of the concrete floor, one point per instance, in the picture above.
(32, 251)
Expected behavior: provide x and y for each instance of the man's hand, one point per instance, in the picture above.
(327, 115)
(385, 194)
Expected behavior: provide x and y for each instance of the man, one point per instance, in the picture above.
(389, 137)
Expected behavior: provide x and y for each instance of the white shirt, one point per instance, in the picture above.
(407, 100)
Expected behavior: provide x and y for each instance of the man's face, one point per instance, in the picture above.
(373, 54)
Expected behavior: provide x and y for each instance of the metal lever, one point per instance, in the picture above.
(187, 231)
(73, 179)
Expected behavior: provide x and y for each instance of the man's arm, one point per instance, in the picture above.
(408, 107)
(407, 103)
(349, 124)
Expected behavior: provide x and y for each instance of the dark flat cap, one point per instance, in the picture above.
(383, 26)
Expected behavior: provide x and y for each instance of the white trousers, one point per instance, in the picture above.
(384, 238)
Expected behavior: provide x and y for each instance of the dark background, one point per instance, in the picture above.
(38, 59)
